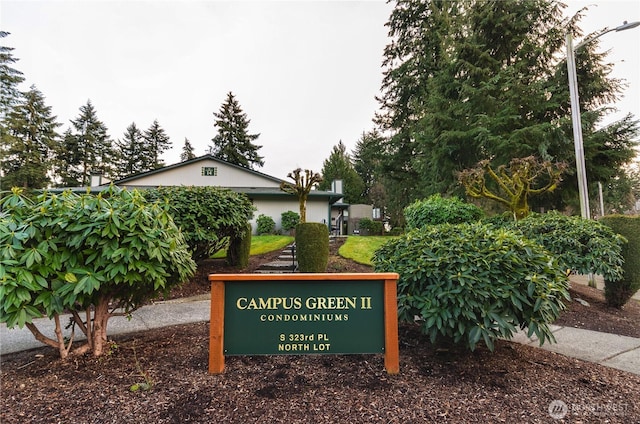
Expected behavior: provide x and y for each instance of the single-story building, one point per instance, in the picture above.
(263, 190)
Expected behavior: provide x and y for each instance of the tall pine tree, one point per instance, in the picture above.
(187, 151)
(132, 156)
(30, 139)
(156, 142)
(10, 79)
(340, 167)
(471, 80)
(86, 149)
(233, 143)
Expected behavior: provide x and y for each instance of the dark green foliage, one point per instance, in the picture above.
(369, 227)
(583, 246)
(617, 293)
(10, 79)
(28, 140)
(187, 151)
(156, 142)
(469, 282)
(131, 154)
(312, 247)
(233, 143)
(207, 216)
(289, 220)
(437, 210)
(86, 149)
(483, 80)
(265, 224)
(240, 248)
(340, 167)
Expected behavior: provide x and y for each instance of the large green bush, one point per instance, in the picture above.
(312, 247)
(469, 282)
(617, 293)
(207, 216)
(437, 210)
(289, 220)
(89, 255)
(583, 246)
(265, 225)
(369, 227)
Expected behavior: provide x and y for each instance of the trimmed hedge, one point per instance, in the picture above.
(312, 247)
(617, 293)
(239, 249)
(470, 282)
(265, 225)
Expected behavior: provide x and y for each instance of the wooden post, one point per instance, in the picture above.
(391, 347)
(216, 328)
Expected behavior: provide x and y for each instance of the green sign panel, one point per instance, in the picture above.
(303, 317)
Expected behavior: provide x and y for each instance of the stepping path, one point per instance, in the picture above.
(286, 263)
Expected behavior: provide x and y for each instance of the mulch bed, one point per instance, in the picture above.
(436, 384)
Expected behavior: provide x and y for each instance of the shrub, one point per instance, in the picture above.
(437, 210)
(207, 216)
(289, 220)
(240, 248)
(617, 293)
(370, 227)
(88, 255)
(312, 247)
(583, 246)
(266, 225)
(469, 282)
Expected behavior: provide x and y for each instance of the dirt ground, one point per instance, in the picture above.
(439, 384)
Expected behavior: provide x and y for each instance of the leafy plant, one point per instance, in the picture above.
(207, 216)
(147, 384)
(580, 245)
(439, 210)
(469, 282)
(289, 220)
(370, 227)
(266, 225)
(95, 256)
(617, 293)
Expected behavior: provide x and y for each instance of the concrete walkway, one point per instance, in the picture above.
(606, 349)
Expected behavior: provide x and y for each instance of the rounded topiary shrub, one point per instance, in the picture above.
(437, 210)
(312, 247)
(617, 293)
(469, 282)
(240, 248)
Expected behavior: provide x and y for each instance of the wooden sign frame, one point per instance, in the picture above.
(216, 328)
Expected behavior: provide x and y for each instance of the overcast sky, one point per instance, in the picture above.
(306, 73)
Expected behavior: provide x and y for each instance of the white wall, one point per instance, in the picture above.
(191, 175)
(317, 210)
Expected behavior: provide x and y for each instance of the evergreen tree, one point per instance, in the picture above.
(86, 149)
(233, 143)
(339, 167)
(10, 79)
(367, 163)
(156, 142)
(30, 138)
(474, 80)
(187, 151)
(132, 155)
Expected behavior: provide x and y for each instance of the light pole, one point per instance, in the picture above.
(575, 113)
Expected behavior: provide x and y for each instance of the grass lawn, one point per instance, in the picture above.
(262, 244)
(361, 248)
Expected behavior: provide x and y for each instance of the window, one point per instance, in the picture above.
(209, 171)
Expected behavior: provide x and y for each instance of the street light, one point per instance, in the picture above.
(575, 113)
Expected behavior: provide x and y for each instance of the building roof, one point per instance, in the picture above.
(133, 177)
